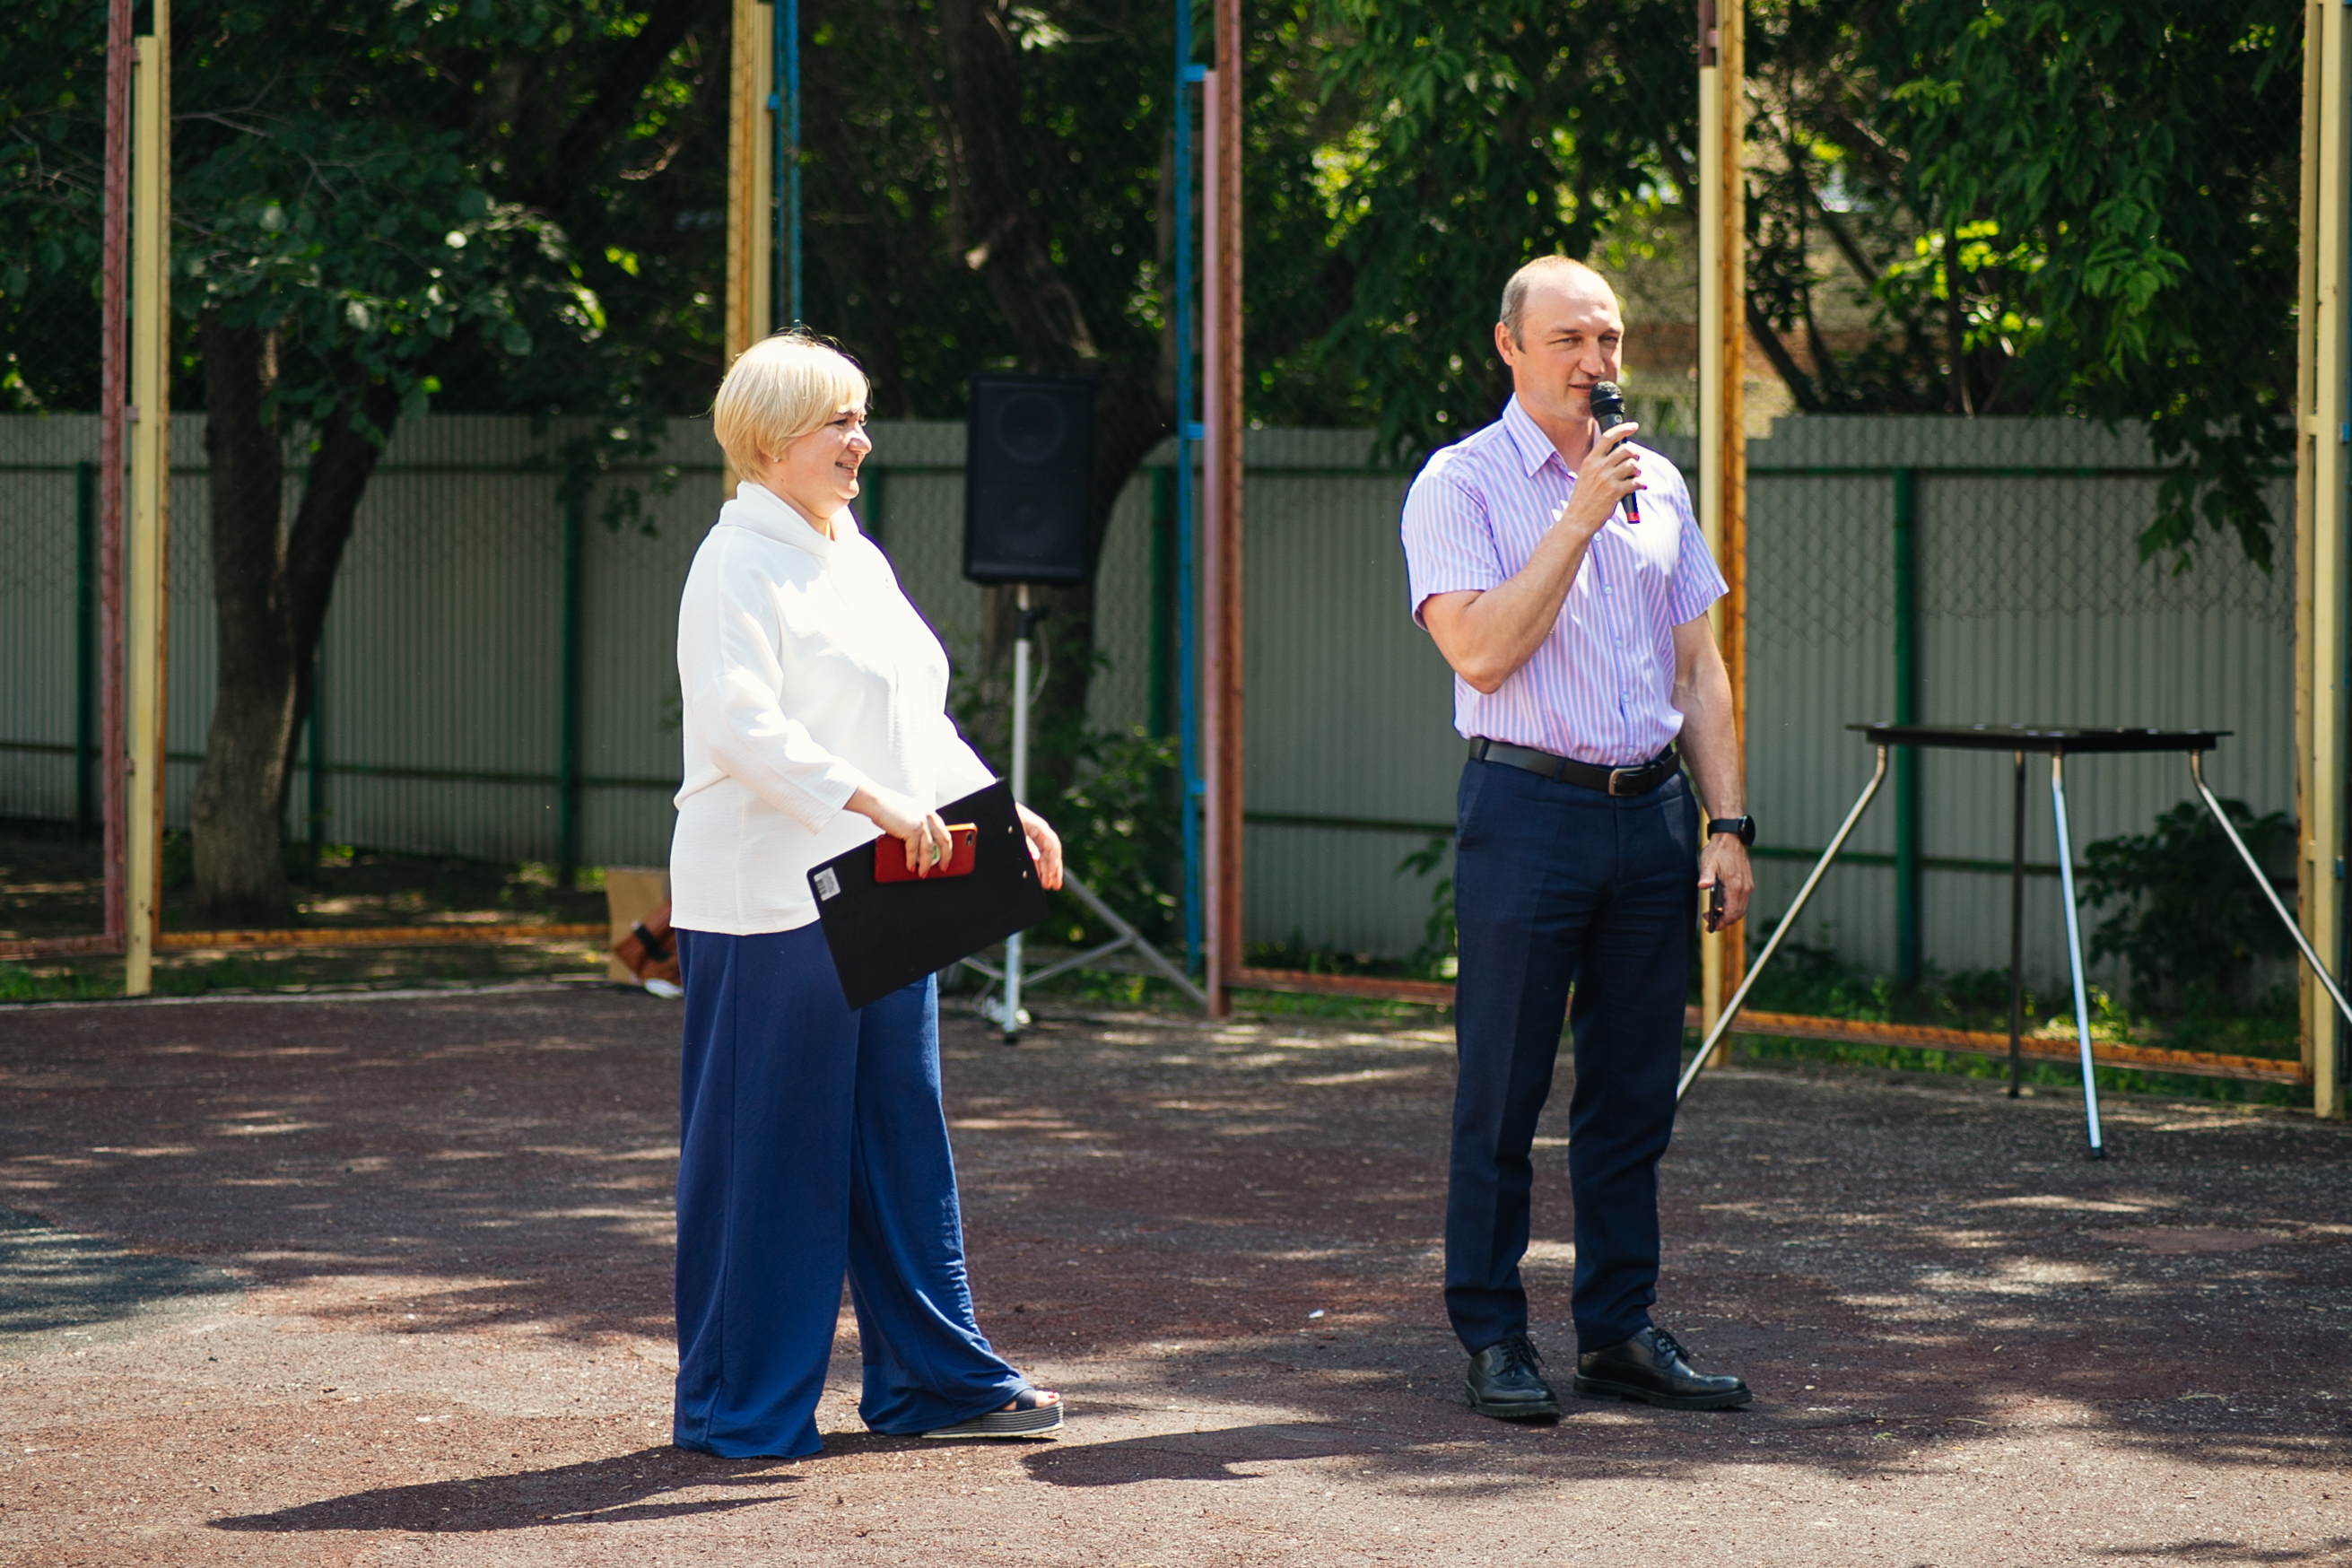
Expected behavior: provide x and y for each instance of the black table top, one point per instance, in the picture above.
(2039, 738)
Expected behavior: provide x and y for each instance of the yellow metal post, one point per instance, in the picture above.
(2307, 886)
(1722, 435)
(148, 525)
(750, 181)
(2321, 522)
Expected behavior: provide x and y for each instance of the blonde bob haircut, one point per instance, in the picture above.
(778, 390)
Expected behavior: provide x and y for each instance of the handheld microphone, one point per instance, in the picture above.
(1608, 404)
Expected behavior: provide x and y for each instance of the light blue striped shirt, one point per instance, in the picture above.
(1599, 687)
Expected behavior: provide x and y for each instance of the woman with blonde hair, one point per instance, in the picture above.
(812, 1142)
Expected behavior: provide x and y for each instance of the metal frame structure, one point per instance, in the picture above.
(1722, 485)
(1010, 982)
(2324, 663)
(131, 522)
(130, 531)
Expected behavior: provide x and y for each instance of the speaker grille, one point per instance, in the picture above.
(1029, 427)
(1027, 460)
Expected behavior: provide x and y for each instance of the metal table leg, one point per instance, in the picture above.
(2074, 952)
(1788, 923)
(2017, 928)
(2197, 773)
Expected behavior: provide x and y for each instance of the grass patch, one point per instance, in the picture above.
(1816, 981)
(51, 884)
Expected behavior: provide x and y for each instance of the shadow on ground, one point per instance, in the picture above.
(1224, 1241)
(62, 1292)
(629, 1487)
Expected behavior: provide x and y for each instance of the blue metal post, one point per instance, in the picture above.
(785, 105)
(1188, 430)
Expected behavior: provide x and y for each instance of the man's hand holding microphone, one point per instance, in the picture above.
(1611, 472)
(1726, 880)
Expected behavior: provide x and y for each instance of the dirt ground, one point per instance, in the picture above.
(385, 1280)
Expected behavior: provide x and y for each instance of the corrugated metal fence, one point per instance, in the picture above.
(2034, 606)
(443, 678)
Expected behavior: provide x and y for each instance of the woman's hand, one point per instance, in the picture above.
(1045, 847)
(922, 832)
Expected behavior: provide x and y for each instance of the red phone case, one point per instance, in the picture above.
(890, 855)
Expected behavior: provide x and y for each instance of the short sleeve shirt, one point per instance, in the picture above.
(1599, 687)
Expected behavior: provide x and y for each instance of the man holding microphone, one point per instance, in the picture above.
(1561, 573)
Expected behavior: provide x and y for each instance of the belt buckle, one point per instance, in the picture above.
(1627, 775)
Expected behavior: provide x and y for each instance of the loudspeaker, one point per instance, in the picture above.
(1029, 450)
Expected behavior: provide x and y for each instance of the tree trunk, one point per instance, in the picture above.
(240, 866)
(1008, 244)
(271, 585)
(348, 451)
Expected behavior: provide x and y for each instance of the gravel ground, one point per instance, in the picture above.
(384, 1281)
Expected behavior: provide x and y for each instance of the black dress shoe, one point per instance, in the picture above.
(1504, 1383)
(1650, 1367)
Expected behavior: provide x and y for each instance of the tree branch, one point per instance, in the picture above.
(322, 523)
(620, 90)
(1009, 252)
(1784, 364)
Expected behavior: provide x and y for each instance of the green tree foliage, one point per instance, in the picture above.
(2030, 206)
(375, 208)
(1489, 135)
(52, 55)
(899, 215)
(507, 204)
(2116, 191)
(2191, 921)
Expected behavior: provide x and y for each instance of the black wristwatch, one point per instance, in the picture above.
(1744, 826)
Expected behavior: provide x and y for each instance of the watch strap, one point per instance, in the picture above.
(1741, 828)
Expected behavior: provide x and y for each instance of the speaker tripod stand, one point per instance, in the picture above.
(1004, 1008)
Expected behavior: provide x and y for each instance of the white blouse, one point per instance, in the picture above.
(807, 674)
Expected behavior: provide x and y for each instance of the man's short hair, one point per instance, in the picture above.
(778, 390)
(1543, 268)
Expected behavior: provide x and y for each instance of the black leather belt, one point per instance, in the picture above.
(1567, 770)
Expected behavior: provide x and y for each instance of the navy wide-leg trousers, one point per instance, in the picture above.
(1556, 885)
(813, 1144)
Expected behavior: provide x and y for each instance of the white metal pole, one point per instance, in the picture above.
(1020, 793)
(2074, 952)
(1722, 1024)
(2263, 881)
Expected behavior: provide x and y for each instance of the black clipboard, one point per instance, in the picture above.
(885, 935)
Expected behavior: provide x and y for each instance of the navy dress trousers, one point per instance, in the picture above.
(812, 1144)
(1556, 885)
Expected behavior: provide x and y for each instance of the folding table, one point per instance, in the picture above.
(2018, 739)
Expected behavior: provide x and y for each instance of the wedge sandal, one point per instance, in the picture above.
(1029, 1417)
